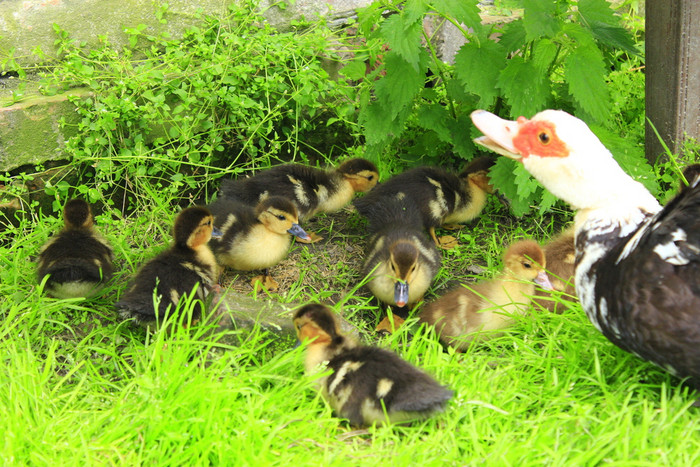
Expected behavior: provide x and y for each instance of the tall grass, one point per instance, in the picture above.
(81, 387)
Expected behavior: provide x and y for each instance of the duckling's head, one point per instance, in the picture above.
(279, 215)
(525, 261)
(361, 173)
(477, 173)
(77, 215)
(691, 174)
(194, 227)
(317, 323)
(403, 262)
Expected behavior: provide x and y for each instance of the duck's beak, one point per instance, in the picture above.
(498, 133)
(401, 293)
(216, 234)
(297, 231)
(543, 281)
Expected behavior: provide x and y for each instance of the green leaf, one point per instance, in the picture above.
(404, 38)
(503, 175)
(544, 54)
(539, 19)
(614, 37)
(478, 67)
(402, 82)
(355, 70)
(584, 71)
(464, 11)
(514, 36)
(414, 10)
(523, 87)
(435, 117)
(597, 11)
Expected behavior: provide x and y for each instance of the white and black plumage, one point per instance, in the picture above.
(312, 190)
(401, 259)
(441, 197)
(78, 260)
(188, 265)
(255, 238)
(367, 384)
(637, 264)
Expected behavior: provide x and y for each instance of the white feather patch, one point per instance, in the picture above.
(670, 252)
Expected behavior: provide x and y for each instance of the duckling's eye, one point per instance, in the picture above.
(370, 178)
(393, 268)
(527, 265)
(544, 137)
(281, 217)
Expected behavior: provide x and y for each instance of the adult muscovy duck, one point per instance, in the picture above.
(637, 264)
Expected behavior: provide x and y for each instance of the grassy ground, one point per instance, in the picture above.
(80, 387)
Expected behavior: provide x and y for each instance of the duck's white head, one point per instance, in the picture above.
(563, 154)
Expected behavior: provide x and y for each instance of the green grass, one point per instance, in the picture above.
(80, 387)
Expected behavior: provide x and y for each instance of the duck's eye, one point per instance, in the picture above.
(527, 265)
(281, 217)
(393, 268)
(544, 137)
(370, 178)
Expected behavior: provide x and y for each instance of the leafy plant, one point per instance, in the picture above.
(167, 116)
(557, 55)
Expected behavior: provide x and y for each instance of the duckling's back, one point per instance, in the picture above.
(77, 260)
(367, 381)
(172, 274)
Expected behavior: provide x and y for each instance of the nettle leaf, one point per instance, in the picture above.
(584, 70)
(477, 67)
(404, 37)
(401, 83)
(597, 11)
(354, 70)
(463, 141)
(464, 11)
(379, 125)
(435, 117)
(605, 25)
(503, 175)
(523, 87)
(544, 54)
(614, 37)
(514, 36)
(414, 10)
(539, 19)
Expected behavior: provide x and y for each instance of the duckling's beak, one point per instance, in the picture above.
(297, 231)
(401, 293)
(498, 133)
(543, 281)
(216, 233)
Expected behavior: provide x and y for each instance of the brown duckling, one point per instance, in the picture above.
(442, 198)
(368, 384)
(78, 260)
(401, 260)
(186, 266)
(489, 305)
(560, 255)
(311, 189)
(255, 238)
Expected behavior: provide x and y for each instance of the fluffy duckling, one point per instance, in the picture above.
(442, 198)
(489, 305)
(78, 260)
(560, 255)
(312, 190)
(368, 385)
(255, 238)
(401, 260)
(187, 265)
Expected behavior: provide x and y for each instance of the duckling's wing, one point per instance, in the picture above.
(76, 256)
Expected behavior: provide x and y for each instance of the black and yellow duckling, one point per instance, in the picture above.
(311, 189)
(368, 384)
(401, 260)
(78, 260)
(560, 255)
(255, 238)
(444, 199)
(489, 305)
(188, 265)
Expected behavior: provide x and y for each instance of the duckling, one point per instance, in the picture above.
(443, 199)
(560, 255)
(78, 260)
(368, 384)
(312, 190)
(188, 265)
(401, 260)
(489, 305)
(255, 238)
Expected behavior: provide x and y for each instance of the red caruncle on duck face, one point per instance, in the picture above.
(538, 138)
